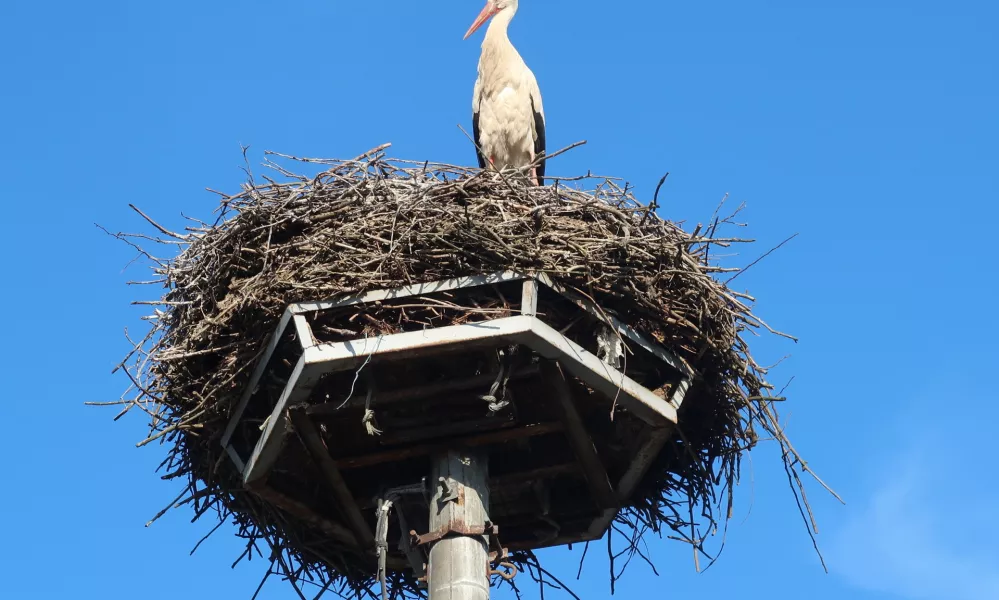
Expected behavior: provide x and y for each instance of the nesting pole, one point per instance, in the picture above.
(458, 567)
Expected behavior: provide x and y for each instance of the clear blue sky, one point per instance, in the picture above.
(869, 127)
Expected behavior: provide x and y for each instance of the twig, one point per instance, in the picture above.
(765, 254)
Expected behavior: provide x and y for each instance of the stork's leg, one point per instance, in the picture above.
(534, 169)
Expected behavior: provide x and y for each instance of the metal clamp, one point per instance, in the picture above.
(507, 575)
(490, 530)
(496, 557)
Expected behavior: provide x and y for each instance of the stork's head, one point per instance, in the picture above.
(492, 8)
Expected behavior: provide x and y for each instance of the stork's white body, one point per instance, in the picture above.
(508, 117)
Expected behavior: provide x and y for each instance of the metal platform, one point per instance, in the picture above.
(559, 372)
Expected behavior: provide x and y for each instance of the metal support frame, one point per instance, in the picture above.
(579, 439)
(651, 446)
(421, 392)
(313, 442)
(650, 449)
(526, 329)
(625, 331)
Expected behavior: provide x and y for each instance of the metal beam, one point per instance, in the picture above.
(258, 372)
(579, 438)
(529, 298)
(334, 531)
(304, 331)
(346, 355)
(421, 392)
(472, 441)
(653, 445)
(500, 482)
(526, 330)
(530, 544)
(602, 377)
(235, 458)
(408, 291)
(627, 332)
(298, 389)
(313, 442)
(680, 392)
(549, 343)
(295, 508)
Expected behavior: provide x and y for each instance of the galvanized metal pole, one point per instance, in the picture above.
(458, 568)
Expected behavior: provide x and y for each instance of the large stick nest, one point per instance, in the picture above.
(372, 223)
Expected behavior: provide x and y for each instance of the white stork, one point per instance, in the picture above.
(508, 119)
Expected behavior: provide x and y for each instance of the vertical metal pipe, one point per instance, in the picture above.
(458, 563)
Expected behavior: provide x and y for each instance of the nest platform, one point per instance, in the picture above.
(527, 374)
(328, 334)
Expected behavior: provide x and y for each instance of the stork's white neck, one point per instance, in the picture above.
(496, 33)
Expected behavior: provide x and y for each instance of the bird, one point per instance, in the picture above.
(508, 116)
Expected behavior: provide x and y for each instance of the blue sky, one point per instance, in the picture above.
(868, 128)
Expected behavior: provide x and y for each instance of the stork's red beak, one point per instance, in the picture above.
(487, 12)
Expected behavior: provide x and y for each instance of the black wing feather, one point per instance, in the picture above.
(475, 136)
(539, 144)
